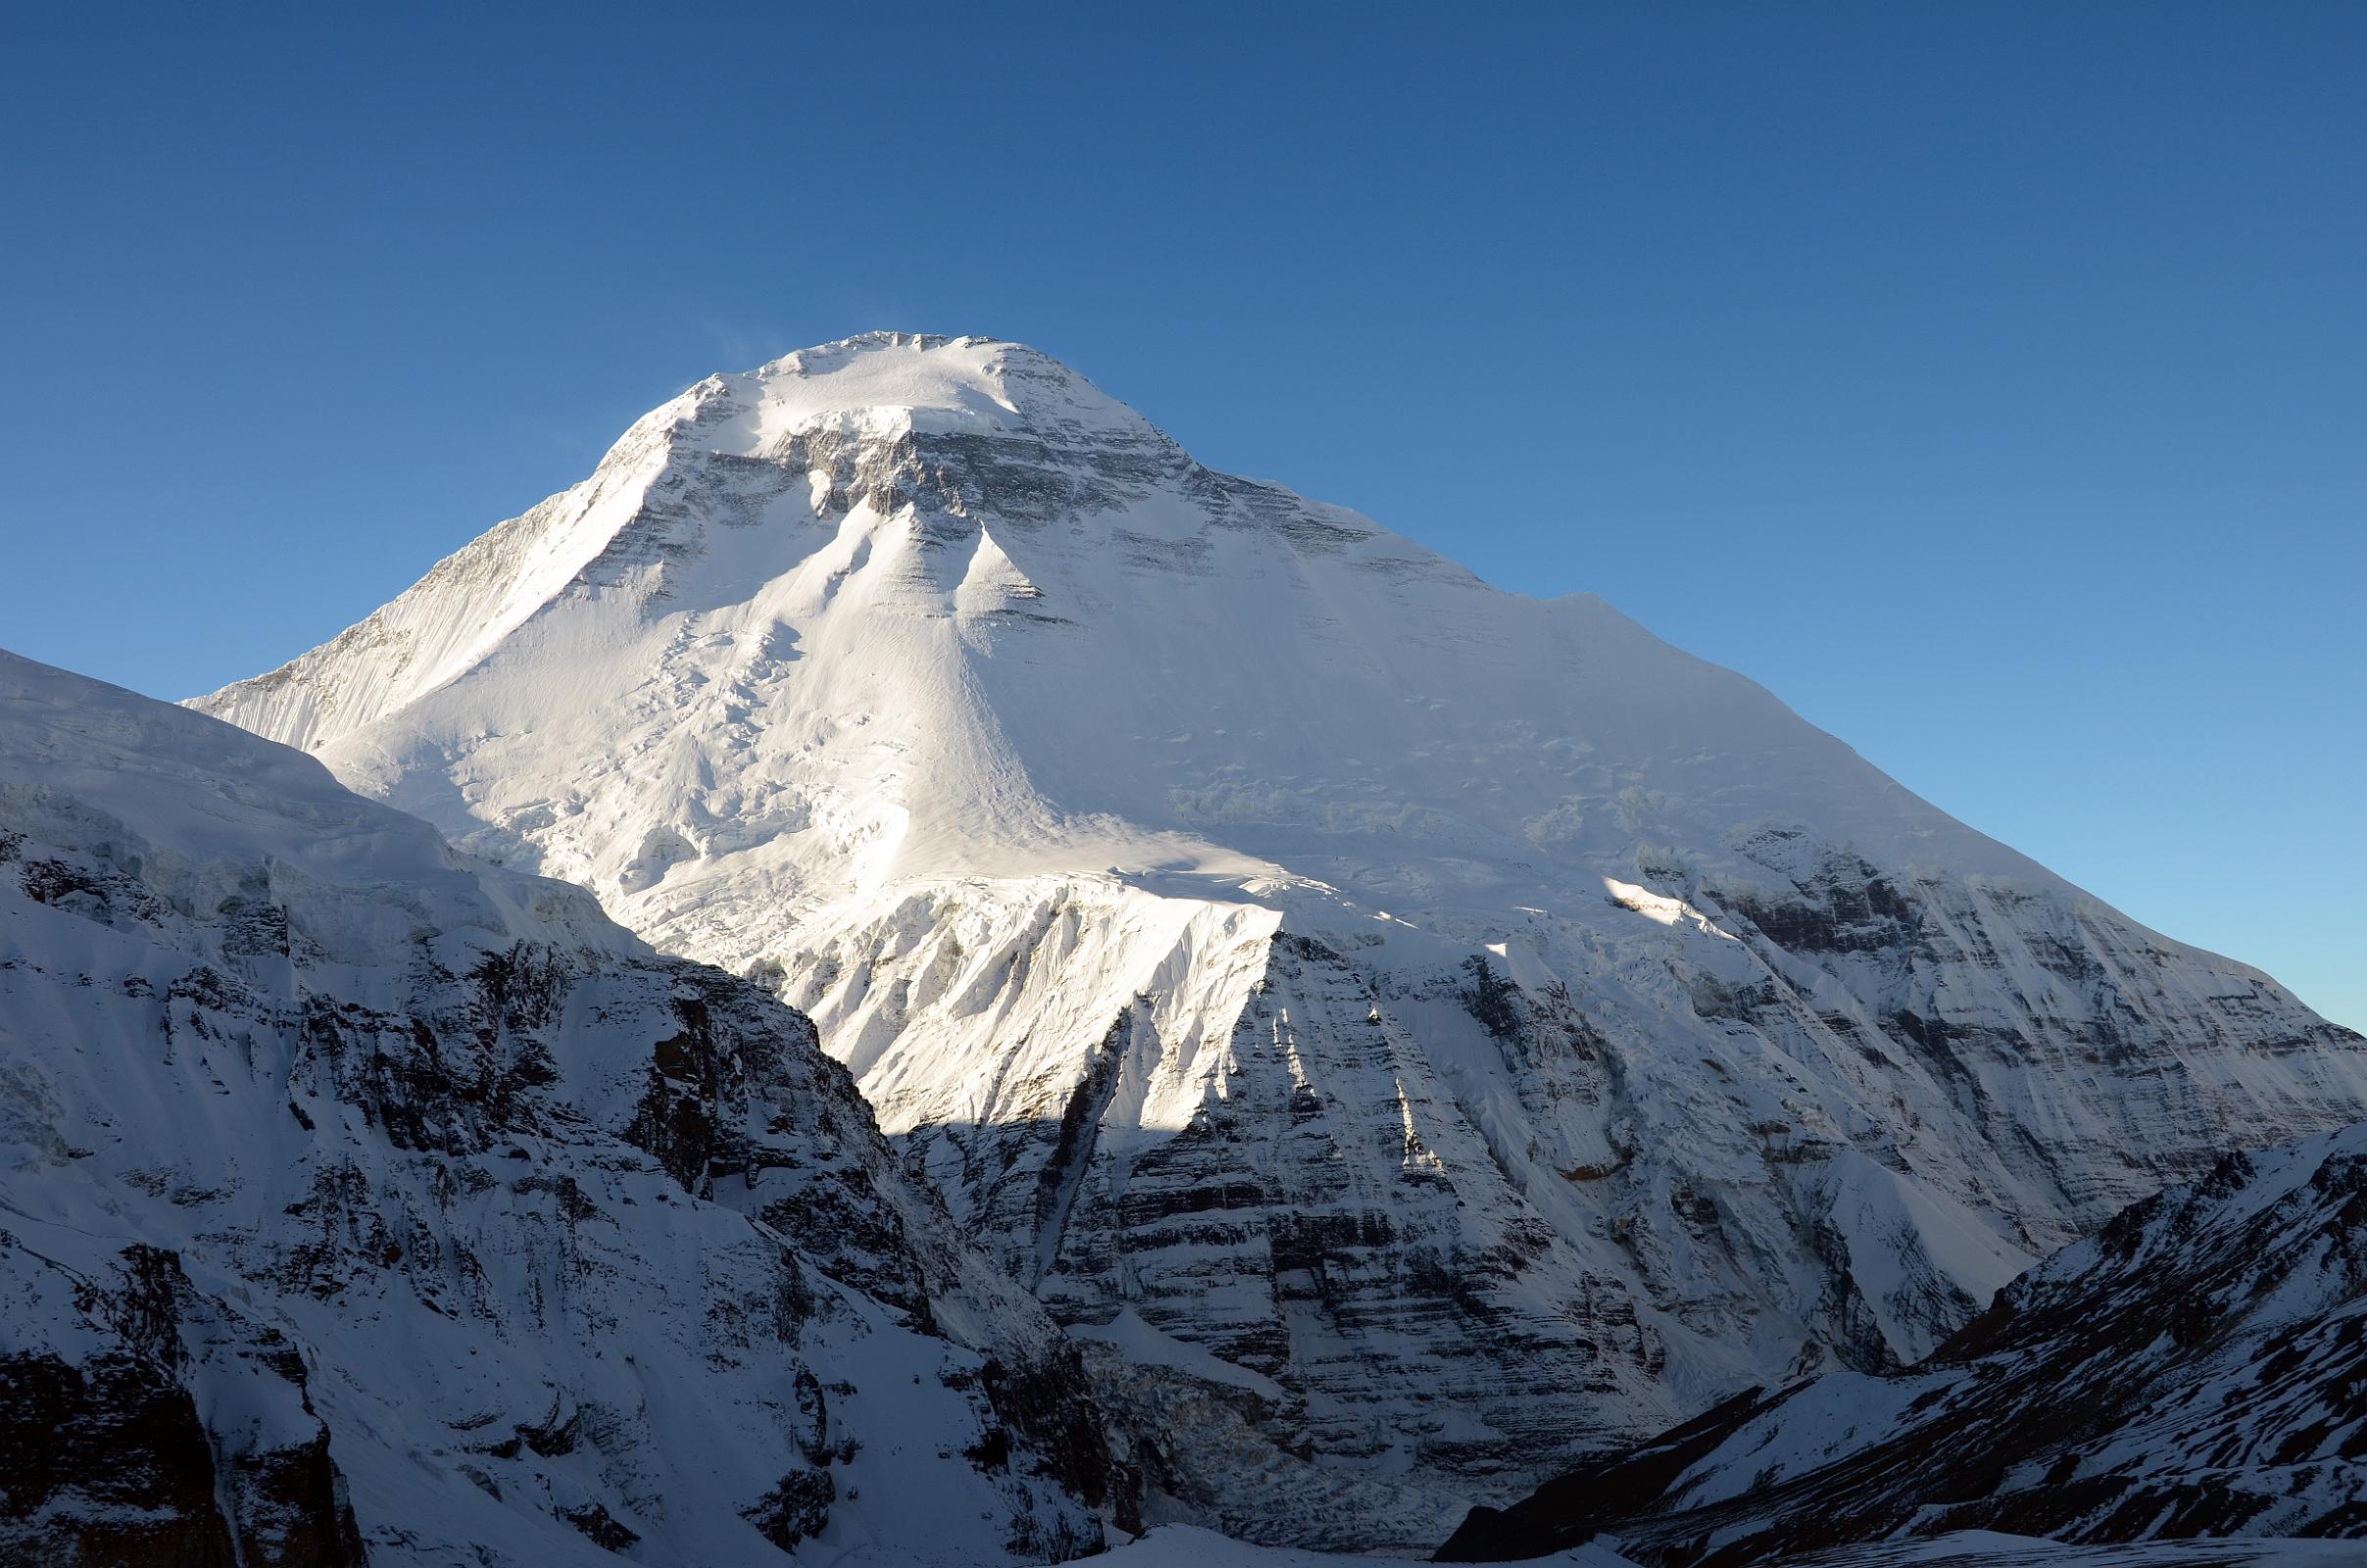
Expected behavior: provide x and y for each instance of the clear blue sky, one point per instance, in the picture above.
(1989, 380)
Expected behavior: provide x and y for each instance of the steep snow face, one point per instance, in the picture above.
(2196, 1369)
(1492, 1028)
(355, 1196)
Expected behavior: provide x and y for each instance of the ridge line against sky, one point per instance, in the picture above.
(1987, 384)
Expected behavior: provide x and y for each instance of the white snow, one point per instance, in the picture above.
(1146, 1346)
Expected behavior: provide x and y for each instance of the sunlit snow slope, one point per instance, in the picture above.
(1480, 1028)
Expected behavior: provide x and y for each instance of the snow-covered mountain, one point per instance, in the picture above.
(356, 1196)
(1417, 1032)
(2197, 1369)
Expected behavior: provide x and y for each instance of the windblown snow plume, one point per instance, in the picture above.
(1415, 1032)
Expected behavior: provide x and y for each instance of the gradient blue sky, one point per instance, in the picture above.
(1989, 380)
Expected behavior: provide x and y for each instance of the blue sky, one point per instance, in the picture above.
(1989, 380)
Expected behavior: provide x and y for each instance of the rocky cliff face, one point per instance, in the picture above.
(147, 1423)
(2197, 1369)
(1444, 1030)
(360, 1196)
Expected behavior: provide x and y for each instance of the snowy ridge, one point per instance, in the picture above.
(356, 1196)
(1498, 1030)
(2193, 1370)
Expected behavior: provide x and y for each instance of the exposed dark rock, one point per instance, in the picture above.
(107, 1459)
(601, 1528)
(795, 1509)
(1492, 998)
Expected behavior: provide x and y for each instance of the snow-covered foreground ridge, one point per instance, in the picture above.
(2199, 1368)
(357, 1198)
(1463, 1027)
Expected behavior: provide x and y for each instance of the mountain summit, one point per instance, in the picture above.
(1413, 1031)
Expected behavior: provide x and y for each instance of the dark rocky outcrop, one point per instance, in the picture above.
(107, 1455)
